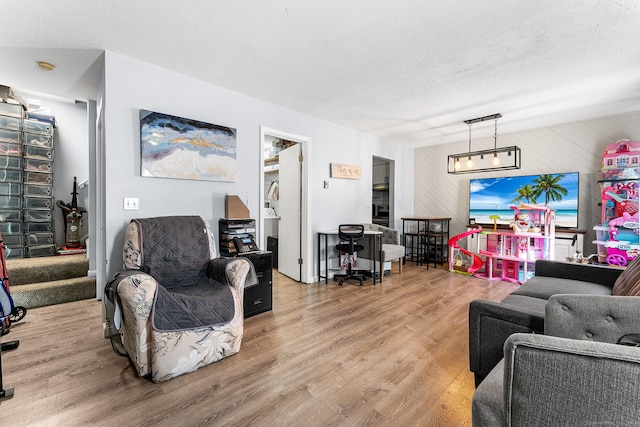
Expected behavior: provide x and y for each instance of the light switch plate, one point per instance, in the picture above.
(131, 203)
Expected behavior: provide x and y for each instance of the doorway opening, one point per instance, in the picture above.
(382, 192)
(284, 217)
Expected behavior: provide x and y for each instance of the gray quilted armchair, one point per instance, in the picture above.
(181, 306)
(577, 374)
(392, 250)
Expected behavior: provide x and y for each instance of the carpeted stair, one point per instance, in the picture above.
(36, 282)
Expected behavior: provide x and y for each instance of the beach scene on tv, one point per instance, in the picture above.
(490, 198)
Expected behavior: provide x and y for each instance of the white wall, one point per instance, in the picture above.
(569, 147)
(131, 85)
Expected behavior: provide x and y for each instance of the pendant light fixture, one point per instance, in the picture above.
(496, 159)
(504, 158)
(469, 162)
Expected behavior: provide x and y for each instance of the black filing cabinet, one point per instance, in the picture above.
(272, 246)
(257, 298)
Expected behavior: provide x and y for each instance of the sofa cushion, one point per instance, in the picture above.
(191, 307)
(543, 287)
(628, 283)
(392, 252)
(527, 304)
(175, 250)
(488, 400)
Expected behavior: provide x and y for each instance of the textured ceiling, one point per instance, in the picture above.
(408, 71)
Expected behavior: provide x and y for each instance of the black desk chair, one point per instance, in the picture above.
(349, 234)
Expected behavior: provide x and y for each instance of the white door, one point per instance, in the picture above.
(289, 241)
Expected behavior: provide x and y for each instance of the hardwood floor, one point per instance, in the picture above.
(391, 354)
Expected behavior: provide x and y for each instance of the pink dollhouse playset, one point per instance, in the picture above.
(458, 255)
(510, 254)
(617, 237)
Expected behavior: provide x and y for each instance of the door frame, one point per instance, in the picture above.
(305, 221)
(392, 173)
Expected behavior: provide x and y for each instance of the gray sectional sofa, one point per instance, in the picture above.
(576, 374)
(491, 323)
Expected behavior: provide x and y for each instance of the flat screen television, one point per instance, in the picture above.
(491, 198)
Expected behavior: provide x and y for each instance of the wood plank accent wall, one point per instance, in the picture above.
(570, 147)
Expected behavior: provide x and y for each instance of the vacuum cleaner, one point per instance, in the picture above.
(72, 215)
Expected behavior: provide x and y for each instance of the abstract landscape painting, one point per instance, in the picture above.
(175, 147)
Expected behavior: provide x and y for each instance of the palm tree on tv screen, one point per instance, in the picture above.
(549, 185)
(527, 193)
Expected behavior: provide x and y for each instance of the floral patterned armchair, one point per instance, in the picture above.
(181, 307)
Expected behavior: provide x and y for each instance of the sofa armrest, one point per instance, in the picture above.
(603, 275)
(136, 293)
(559, 381)
(237, 272)
(592, 317)
(490, 324)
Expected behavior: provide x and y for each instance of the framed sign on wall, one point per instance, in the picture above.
(339, 170)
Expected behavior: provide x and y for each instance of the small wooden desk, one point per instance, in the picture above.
(374, 237)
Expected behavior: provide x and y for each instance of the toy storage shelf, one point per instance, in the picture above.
(617, 236)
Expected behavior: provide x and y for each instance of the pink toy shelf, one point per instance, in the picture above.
(511, 254)
(617, 235)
